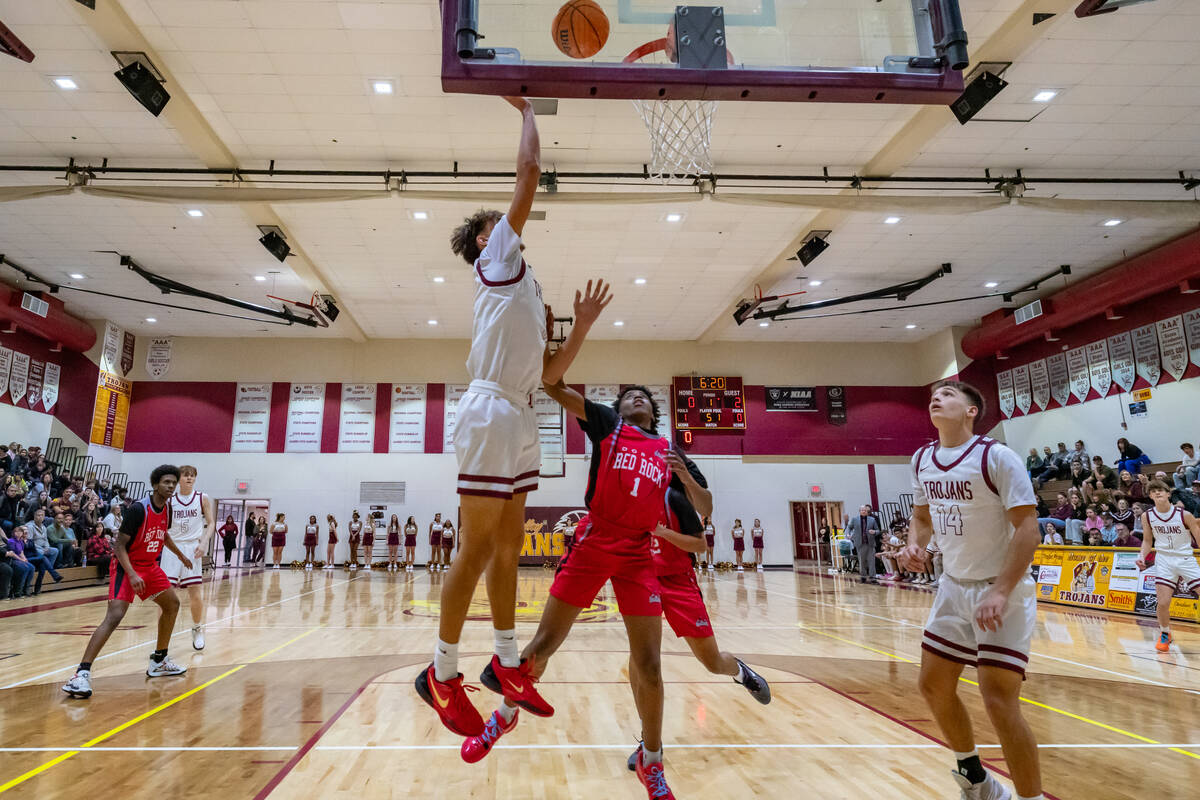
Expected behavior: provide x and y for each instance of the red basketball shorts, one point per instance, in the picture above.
(683, 605)
(120, 587)
(598, 558)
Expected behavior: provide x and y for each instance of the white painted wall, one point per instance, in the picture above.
(303, 484)
(24, 426)
(1172, 419)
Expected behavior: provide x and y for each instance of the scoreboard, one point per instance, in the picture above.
(709, 404)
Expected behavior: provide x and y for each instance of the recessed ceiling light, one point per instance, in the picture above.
(1045, 95)
(195, 212)
(619, 323)
(438, 279)
(763, 324)
(151, 319)
(383, 86)
(673, 217)
(420, 215)
(891, 220)
(815, 283)
(990, 285)
(260, 278)
(77, 276)
(1112, 223)
(66, 83)
(433, 322)
(640, 281)
(910, 326)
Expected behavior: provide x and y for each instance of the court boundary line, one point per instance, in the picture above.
(549, 746)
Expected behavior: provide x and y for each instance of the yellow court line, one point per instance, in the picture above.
(1056, 710)
(17, 781)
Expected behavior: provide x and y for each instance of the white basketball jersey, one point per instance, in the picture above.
(509, 333)
(969, 490)
(187, 516)
(1171, 536)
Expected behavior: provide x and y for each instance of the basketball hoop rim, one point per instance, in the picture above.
(657, 45)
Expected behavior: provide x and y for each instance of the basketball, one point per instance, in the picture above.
(580, 28)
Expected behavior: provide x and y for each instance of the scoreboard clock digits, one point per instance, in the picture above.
(709, 404)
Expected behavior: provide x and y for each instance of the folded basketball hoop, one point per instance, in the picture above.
(680, 130)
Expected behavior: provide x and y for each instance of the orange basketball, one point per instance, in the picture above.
(580, 28)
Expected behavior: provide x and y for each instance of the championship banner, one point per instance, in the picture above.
(1004, 388)
(1021, 388)
(661, 395)
(6, 357)
(356, 425)
(790, 398)
(110, 418)
(158, 357)
(110, 350)
(551, 434)
(1099, 369)
(1039, 379)
(605, 394)
(50, 386)
(251, 418)
(18, 377)
(37, 373)
(1120, 354)
(1060, 378)
(1173, 345)
(305, 415)
(544, 527)
(407, 433)
(454, 393)
(1145, 352)
(128, 341)
(1103, 577)
(1077, 369)
(1191, 326)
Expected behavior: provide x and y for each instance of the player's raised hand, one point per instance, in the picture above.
(991, 610)
(675, 462)
(589, 304)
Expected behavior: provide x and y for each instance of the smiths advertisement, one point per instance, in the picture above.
(1105, 578)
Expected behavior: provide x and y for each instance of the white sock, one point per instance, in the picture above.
(741, 676)
(1035, 797)
(506, 648)
(507, 712)
(965, 756)
(445, 661)
(651, 756)
(1163, 630)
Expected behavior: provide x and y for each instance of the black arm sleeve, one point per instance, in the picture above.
(697, 475)
(131, 521)
(599, 421)
(689, 520)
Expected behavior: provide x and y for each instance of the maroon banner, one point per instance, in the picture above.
(37, 375)
(544, 527)
(127, 344)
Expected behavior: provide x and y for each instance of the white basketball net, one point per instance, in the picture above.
(680, 135)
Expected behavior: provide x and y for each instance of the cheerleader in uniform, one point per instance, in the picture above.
(278, 539)
(410, 544)
(739, 543)
(710, 541)
(355, 539)
(333, 540)
(368, 543)
(756, 541)
(393, 541)
(447, 544)
(435, 543)
(311, 531)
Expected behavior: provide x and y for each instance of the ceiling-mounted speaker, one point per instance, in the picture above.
(276, 245)
(144, 87)
(89, 3)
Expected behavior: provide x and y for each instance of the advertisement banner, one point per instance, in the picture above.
(1173, 346)
(18, 377)
(158, 357)
(1124, 367)
(50, 386)
(1060, 378)
(305, 415)
(454, 393)
(356, 423)
(791, 398)
(1145, 351)
(1004, 388)
(407, 434)
(544, 526)
(1077, 367)
(251, 418)
(1085, 578)
(37, 374)
(1099, 369)
(1191, 327)
(1039, 381)
(1105, 578)
(1022, 389)
(110, 418)
(1125, 577)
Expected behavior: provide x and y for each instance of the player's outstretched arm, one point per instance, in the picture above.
(529, 166)
(568, 398)
(588, 306)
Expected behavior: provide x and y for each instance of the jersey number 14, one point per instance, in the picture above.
(951, 520)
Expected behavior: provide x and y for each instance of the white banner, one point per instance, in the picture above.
(1098, 367)
(662, 398)
(356, 426)
(408, 418)
(110, 351)
(454, 393)
(1060, 378)
(1173, 345)
(1021, 388)
(1145, 351)
(1039, 379)
(1077, 369)
(251, 418)
(5, 366)
(604, 394)
(306, 413)
(18, 378)
(1120, 353)
(1004, 386)
(158, 357)
(1191, 324)
(50, 385)
(551, 435)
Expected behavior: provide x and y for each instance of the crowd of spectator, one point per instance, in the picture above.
(50, 520)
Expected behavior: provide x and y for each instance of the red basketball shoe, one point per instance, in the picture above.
(476, 747)
(516, 684)
(449, 699)
(653, 778)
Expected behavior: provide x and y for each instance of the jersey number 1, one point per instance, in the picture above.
(636, 481)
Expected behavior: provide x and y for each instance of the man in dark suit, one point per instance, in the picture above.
(863, 531)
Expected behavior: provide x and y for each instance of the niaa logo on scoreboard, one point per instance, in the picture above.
(1082, 598)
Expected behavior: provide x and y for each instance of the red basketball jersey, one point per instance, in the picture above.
(146, 546)
(630, 483)
(669, 559)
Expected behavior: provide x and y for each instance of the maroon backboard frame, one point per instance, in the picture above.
(627, 82)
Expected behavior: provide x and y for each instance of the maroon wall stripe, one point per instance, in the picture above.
(873, 486)
(277, 431)
(180, 416)
(77, 383)
(331, 420)
(435, 408)
(383, 417)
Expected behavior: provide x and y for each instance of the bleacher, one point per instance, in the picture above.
(1050, 489)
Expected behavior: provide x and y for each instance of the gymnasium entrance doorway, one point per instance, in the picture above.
(807, 519)
(239, 508)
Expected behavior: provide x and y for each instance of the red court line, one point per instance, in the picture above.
(78, 601)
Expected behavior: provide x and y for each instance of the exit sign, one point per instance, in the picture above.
(816, 490)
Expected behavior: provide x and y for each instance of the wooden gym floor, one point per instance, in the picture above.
(305, 691)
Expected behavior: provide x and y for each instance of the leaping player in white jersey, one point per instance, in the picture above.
(975, 495)
(496, 441)
(1174, 530)
(193, 521)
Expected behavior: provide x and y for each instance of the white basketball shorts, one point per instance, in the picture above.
(496, 442)
(951, 631)
(176, 572)
(1174, 571)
